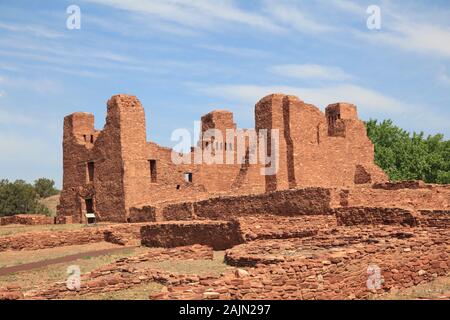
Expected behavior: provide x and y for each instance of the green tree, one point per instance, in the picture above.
(409, 157)
(19, 197)
(45, 187)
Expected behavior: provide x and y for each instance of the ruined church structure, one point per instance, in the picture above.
(325, 224)
(120, 176)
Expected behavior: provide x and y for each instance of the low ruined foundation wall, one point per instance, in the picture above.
(143, 214)
(27, 219)
(48, 239)
(308, 201)
(435, 218)
(118, 233)
(343, 264)
(116, 276)
(350, 216)
(347, 278)
(217, 234)
(414, 195)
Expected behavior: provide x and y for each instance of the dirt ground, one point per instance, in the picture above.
(42, 277)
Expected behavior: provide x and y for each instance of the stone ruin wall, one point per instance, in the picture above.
(414, 195)
(317, 149)
(309, 201)
(27, 219)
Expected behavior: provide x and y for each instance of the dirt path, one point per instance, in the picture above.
(72, 257)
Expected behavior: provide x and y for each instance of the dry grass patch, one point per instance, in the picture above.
(13, 258)
(214, 267)
(436, 289)
(51, 203)
(13, 229)
(43, 277)
(139, 292)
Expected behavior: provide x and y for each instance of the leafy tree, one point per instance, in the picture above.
(45, 187)
(19, 197)
(410, 157)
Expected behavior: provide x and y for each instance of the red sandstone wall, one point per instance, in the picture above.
(400, 196)
(349, 216)
(435, 218)
(117, 233)
(106, 190)
(308, 201)
(143, 214)
(218, 234)
(28, 219)
(48, 239)
(312, 152)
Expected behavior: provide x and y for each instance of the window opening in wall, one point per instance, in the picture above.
(178, 187)
(188, 176)
(152, 170)
(84, 137)
(92, 139)
(90, 169)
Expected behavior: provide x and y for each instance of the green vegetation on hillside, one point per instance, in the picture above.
(22, 197)
(45, 187)
(410, 157)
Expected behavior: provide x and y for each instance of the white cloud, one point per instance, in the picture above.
(418, 28)
(310, 71)
(237, 51)
(348, 6)
(18, 149)
(369, 100)
(2, 93)
(202, 14)
(38, 85)
(370, 103)
(16, 119)
(296, 18)
(36, 30)
(422, 38)
(443, 77)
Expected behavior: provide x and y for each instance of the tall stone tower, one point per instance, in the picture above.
(105, 171)
(274, 112)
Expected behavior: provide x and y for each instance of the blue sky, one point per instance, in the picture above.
(183, 58)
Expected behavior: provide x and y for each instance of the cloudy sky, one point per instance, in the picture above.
(183, 58)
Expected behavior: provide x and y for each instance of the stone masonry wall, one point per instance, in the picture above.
(112, 170)
(117, 233)
(350, 216)
(28, 219)
(217, 234)
(311, 153)
(307, 201)
(408, 195)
